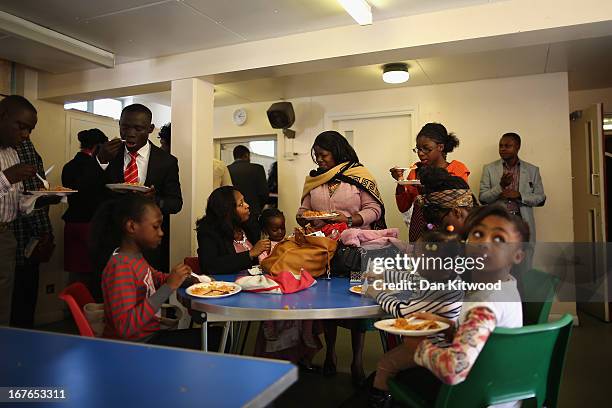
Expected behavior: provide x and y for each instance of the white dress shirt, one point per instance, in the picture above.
(12, 200)
(142, 161)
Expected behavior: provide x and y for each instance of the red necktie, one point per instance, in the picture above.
(130, 174)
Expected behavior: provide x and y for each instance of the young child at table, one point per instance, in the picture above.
(133, 291)
(444, 303)
(496, 236)
(280, 335)
(272, 223)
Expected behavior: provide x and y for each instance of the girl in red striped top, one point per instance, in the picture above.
(133, 291)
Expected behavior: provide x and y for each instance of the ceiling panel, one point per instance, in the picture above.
(40, 56)
(490, 64)
(150, 31)
(223, 98)
(68, 16)
(588, 62)
(258, 19)
(354, 79)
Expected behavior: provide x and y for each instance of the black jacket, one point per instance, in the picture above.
(162, 173)
(250, 179)
(82, 205)
(217, 254)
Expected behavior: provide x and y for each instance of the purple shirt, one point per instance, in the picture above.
(513, 205)
(347, 200)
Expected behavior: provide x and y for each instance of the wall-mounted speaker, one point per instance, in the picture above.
(281, 115)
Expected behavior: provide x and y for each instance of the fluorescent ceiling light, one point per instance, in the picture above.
(360, 10)
(18, 27)
(396, 73)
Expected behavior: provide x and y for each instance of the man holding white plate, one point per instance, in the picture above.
(144, 164)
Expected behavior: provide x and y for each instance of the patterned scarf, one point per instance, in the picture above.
(447, 198)
(351, 173)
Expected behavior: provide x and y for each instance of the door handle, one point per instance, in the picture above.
(595, 185)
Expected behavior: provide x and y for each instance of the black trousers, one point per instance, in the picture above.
(25, 295)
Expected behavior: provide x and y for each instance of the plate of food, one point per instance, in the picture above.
(318, 215)
(356, 289)
(411, 327)
(53, 191)
(214, 289)
(124, 187)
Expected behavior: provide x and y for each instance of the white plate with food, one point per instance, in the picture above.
(409, 182)
(55, 191)
(213, 290)
(356, 289)
(411, 327)
(124, 187)
(318, 215)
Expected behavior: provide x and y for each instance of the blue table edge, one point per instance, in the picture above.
(263, 399)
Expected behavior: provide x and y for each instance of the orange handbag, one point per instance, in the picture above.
(314, 256)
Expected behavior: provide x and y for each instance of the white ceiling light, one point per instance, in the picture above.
(395, 73)
(21, 28)
(360, 10)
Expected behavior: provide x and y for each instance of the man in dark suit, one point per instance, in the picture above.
(250, 179)
(133, 158)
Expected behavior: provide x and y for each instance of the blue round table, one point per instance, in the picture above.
(328, 299)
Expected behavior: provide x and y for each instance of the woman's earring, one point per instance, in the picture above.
(450, 228)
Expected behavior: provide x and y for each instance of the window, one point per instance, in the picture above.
(108, 107)
(82, 106)
(263, 147)
(104, 107)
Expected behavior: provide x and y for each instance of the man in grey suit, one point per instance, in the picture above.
(514, 182)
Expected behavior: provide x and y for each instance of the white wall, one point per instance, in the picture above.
(478, 112)
(161, 113)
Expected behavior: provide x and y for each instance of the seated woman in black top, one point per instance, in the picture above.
(225, 234)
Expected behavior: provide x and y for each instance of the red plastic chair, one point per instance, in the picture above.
(76, 296)
(194, 263)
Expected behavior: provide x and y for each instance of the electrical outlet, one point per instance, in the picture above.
(50, 289)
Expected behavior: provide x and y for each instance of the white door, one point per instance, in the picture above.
(77, 121)
(381, 143)
(588, 189)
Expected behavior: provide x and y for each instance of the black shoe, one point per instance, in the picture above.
(379, 399)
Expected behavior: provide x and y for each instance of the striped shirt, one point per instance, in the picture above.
(10, 194)
(445, 303)
(133, 295)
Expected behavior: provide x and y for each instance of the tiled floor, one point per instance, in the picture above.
(585, 383)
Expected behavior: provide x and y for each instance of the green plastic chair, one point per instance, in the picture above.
(515, 364)
(537, 285)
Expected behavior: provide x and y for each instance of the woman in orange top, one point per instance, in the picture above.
(433, 143)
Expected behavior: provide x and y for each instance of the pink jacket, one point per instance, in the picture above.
(347, 199)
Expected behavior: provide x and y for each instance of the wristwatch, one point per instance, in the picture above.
(349, 221)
